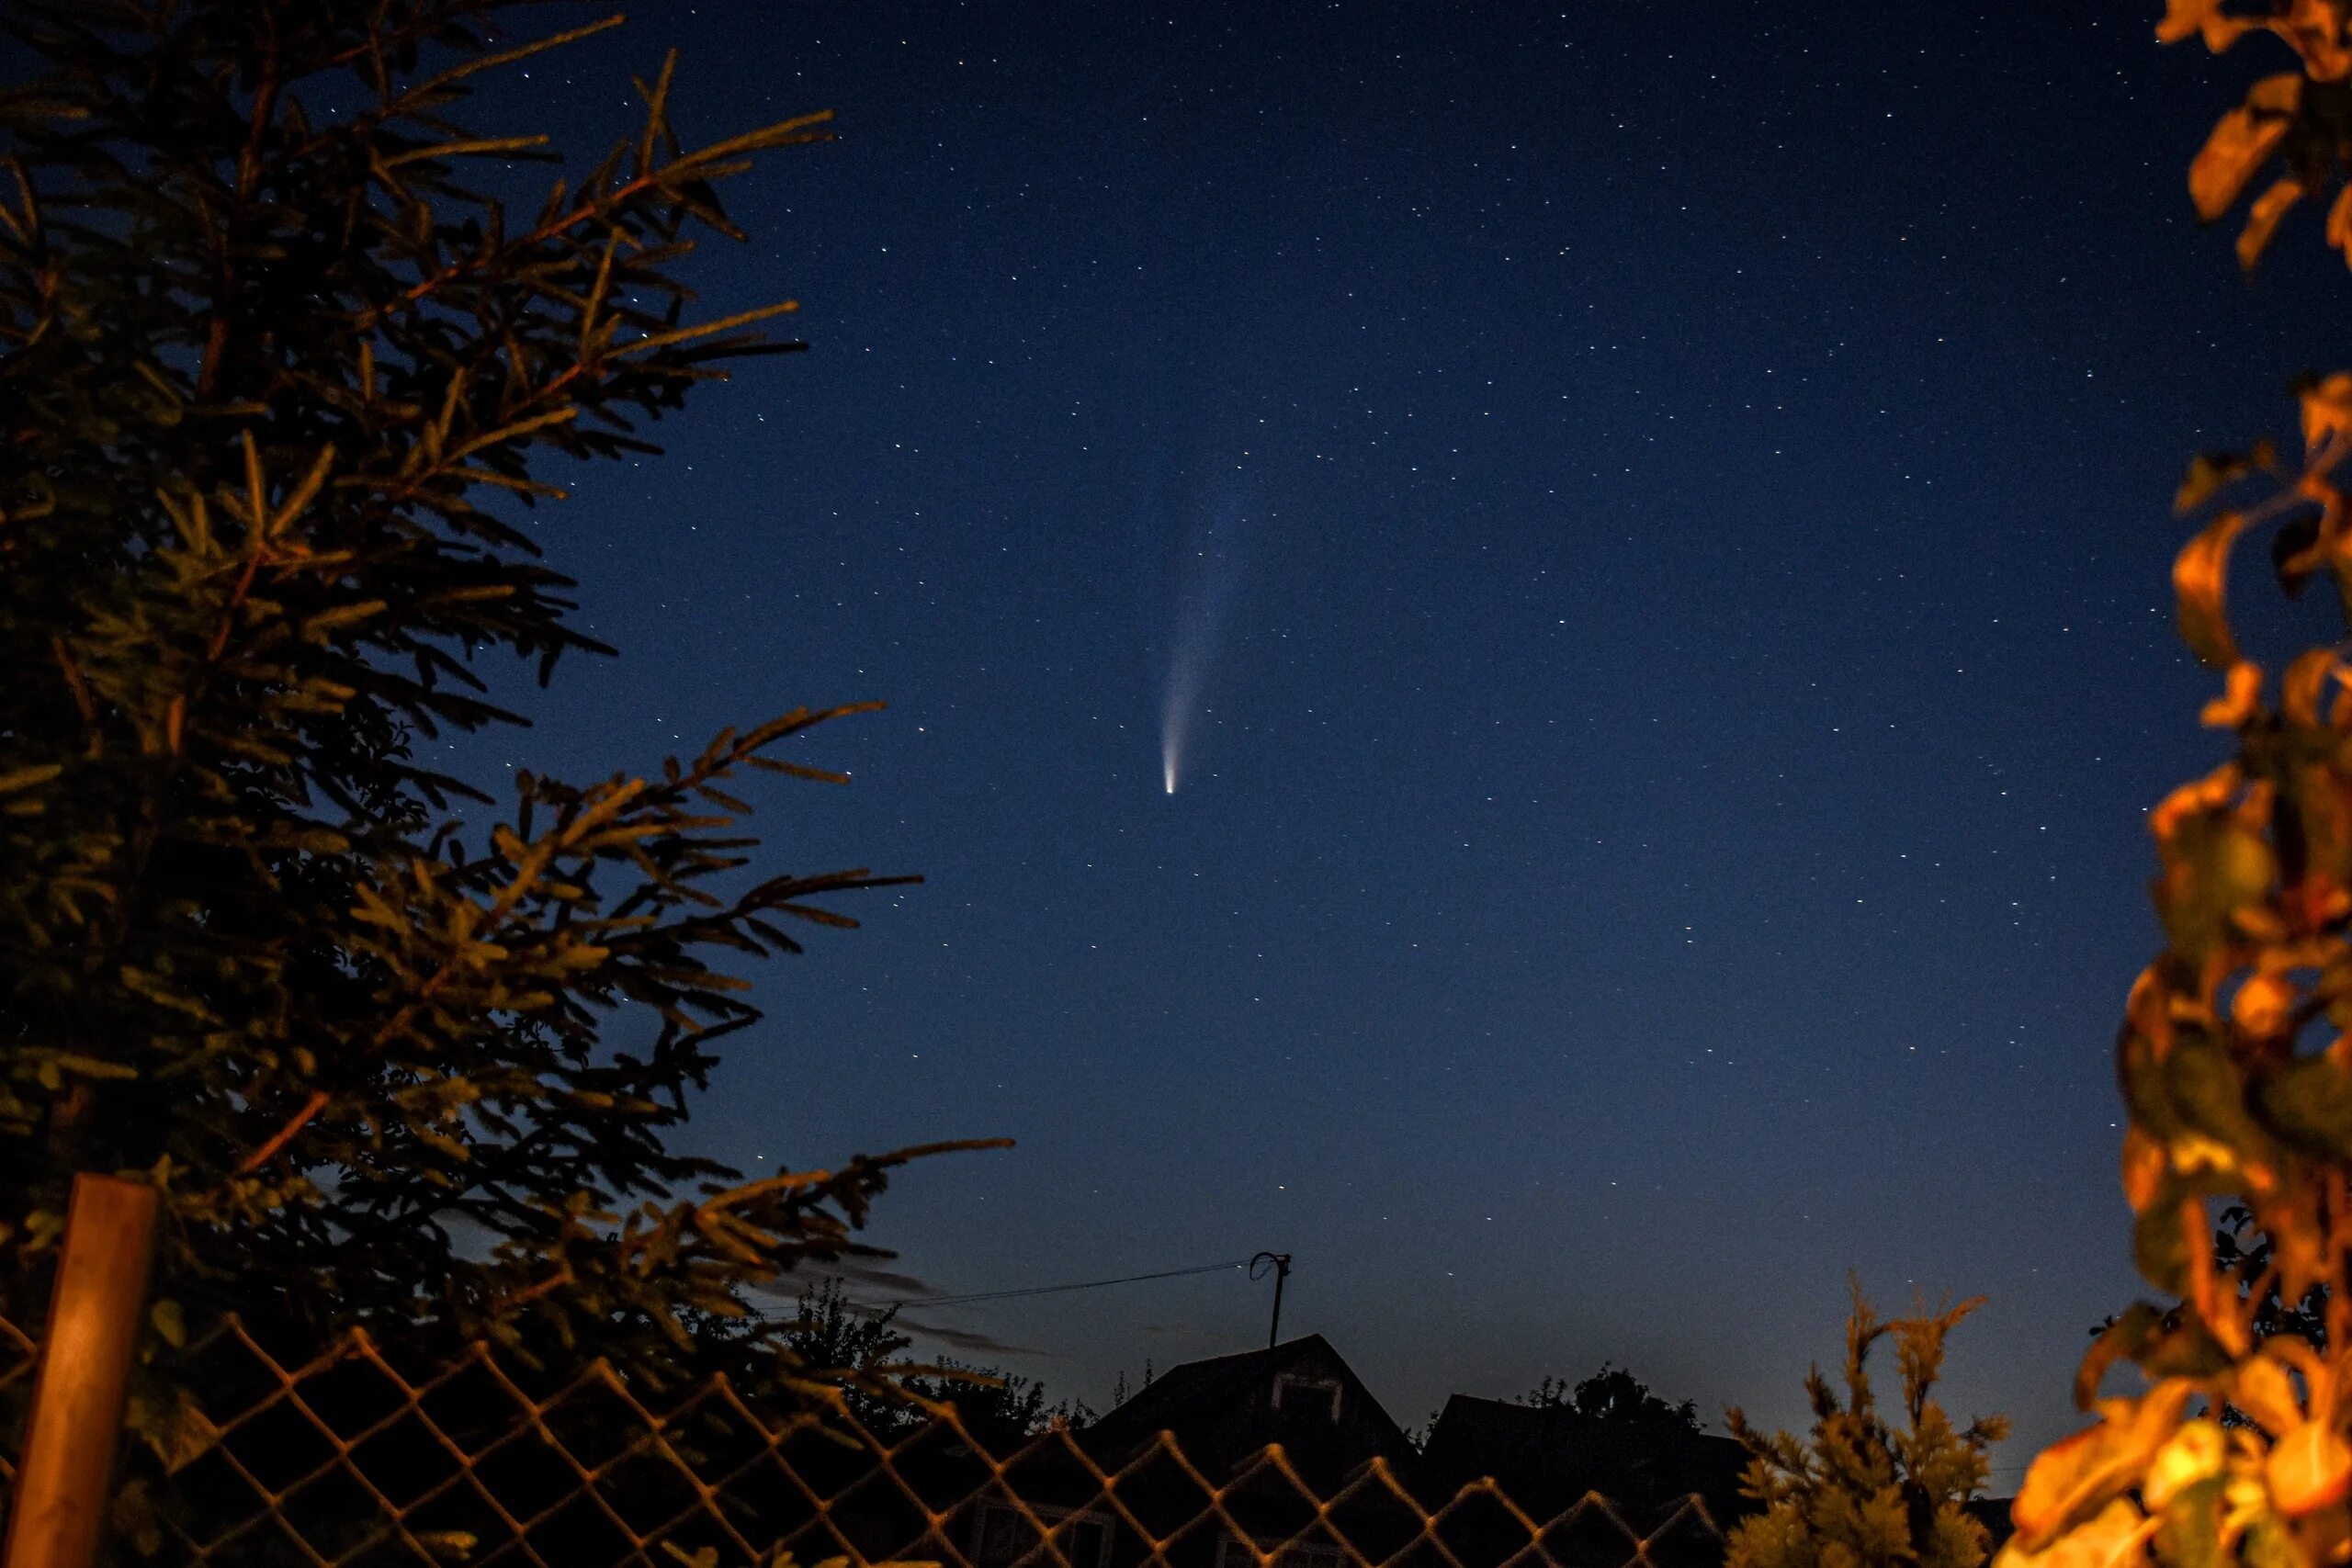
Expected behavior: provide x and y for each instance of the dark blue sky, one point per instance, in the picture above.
(1663, 824)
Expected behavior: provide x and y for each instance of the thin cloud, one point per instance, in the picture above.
(967, 1339)
(869, 1280)
(866, 1288)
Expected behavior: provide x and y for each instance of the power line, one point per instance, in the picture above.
(923, 1302)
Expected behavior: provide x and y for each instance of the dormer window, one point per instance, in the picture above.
(1314, 1398)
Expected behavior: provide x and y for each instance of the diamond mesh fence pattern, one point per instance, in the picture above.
(345, 1458)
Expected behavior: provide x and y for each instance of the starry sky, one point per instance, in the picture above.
(1652, 525)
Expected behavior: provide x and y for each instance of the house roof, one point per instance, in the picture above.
(1196, 1386)
(1173, 1399)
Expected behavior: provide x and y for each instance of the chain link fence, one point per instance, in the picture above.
(346, 1458)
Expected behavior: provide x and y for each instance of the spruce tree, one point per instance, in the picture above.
(281, 374)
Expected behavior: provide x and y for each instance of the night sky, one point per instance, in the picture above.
(1654, 523)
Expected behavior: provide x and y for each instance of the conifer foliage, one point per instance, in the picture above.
(282, 378)
(1864, 1493)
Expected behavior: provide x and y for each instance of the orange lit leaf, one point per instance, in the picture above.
(2117, 1538)
(2280, 94)
(2070, 1475)
(2216, 871)
(2314, 29)
(2263, 221)
(2144, 1164)
(2207, 472)
(2307, 1101)
(2241, 698)
(2262, 1390)
(2262, 1004)
(2124, 1338)
(2077, 1477)
(2339, 224)
(2183, 17)
(2163, 1246)
(2306, 682)
(2195, 798)
(2327, 411)
(2194, 1454)
(2309, 1469)
(2198, 575)
(2240, 142)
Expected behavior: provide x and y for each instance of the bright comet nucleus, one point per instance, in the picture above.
(1213, 580)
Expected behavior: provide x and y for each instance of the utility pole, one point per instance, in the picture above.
(1281, 1260)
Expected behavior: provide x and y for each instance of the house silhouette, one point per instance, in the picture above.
(1301, 1395)
(1284, 1458)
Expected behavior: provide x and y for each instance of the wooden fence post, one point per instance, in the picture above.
(94, 1317)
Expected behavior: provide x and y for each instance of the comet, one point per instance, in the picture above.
(1211, 581)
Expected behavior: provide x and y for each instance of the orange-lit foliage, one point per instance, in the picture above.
(2302, 119)
(1863, 1490)
(2236, 1055)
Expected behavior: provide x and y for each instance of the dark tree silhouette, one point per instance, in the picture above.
(1613, 1394)
(282, 386)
